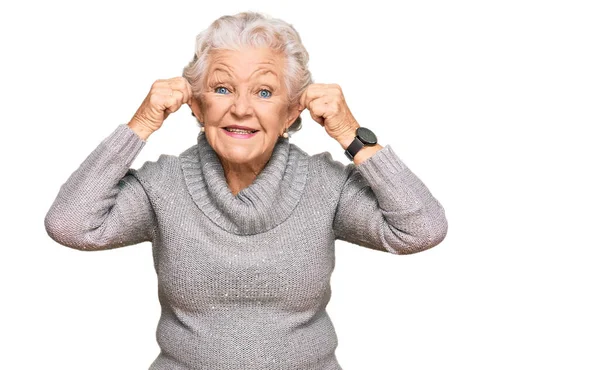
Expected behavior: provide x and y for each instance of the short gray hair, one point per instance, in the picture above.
(252, 29)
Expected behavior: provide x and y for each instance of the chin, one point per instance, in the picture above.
(239, 154)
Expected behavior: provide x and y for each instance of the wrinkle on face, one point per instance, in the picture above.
(244, 74)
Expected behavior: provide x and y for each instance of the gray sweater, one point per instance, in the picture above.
(243, 281)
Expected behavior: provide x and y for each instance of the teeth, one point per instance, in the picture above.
(238, 130)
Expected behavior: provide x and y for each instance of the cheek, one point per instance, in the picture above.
(214, 108)
(272, 115)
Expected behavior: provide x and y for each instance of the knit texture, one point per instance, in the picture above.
(244, 280)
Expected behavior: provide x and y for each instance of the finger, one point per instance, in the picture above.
(313, 92)
(182, 95)
(174, 102)
(179, 96)
(178, 83)
(308, 94)
(172, 105)
(317, 109)
(190, 92)
(166, 98)
(161, 85)
(163, 91)
(180, 87)
(174, 83)
(318, 119)
(188, 89)
(328, 89)
(303, 100)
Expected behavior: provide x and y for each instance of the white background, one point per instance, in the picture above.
(493, 104)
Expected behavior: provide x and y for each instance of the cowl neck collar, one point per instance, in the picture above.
(259, 207)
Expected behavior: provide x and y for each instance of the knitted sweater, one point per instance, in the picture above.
(244, 280)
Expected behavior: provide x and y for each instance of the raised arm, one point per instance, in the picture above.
(384, 206)
(101, 206)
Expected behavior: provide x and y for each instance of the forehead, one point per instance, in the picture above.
(247, 63)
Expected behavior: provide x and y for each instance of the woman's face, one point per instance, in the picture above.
(244, 88)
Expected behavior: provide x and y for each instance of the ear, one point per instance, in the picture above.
(197, 109)
(294, 111)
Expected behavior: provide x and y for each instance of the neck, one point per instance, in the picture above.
(241, 175)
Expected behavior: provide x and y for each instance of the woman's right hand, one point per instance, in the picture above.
(165, 97)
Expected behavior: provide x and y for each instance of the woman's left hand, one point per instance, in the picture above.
(328, 107)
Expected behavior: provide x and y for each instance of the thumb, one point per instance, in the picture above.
(320, 120)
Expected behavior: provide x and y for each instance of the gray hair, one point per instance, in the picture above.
(251, 29)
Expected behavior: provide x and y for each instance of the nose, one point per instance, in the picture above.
(241, 106)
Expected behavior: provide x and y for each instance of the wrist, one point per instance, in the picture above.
(359, 145)
(142, 131)
(347, 137)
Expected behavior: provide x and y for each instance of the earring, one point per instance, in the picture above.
(200, 123)
(285, 134)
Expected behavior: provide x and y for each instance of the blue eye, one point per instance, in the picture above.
(221, 90)
(264, 93)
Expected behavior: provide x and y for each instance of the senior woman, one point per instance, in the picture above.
(243, 223)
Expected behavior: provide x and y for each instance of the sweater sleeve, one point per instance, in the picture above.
(384, 206)
(102, 205)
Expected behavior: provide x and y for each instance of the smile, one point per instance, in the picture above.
(240, 134)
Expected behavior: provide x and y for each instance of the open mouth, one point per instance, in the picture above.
(239, 131)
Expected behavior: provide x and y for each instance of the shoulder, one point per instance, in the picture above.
(323, 165)
(163, 170)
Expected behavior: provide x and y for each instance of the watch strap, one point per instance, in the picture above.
(353, 148)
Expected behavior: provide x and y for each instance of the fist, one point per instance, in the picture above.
(165, 97)
(328, 107)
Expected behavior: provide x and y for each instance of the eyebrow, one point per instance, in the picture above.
(220, 70)
(264, 71)
(261, 71)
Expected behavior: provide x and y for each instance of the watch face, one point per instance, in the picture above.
(366, 136)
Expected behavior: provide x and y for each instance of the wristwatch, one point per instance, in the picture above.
(364, 137)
